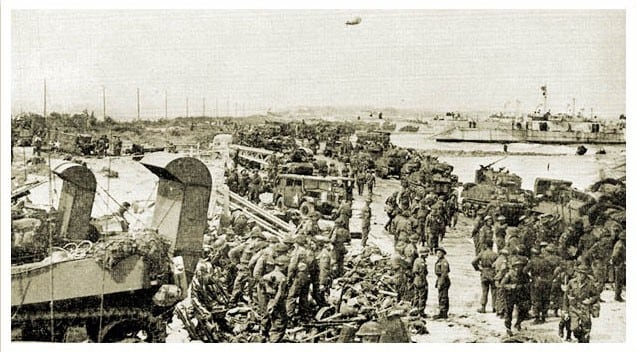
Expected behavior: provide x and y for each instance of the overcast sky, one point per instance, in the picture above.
(430, 59)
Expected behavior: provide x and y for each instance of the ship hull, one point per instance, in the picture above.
(530, 136)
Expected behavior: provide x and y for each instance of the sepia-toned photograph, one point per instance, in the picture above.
(315, 175)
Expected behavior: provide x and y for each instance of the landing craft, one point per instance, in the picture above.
(354, 21)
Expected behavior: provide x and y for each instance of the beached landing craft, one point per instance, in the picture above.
(543, 128)
(124, 285)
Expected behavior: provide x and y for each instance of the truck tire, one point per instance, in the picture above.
(306, 208)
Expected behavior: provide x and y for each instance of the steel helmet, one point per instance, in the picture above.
(370, 328)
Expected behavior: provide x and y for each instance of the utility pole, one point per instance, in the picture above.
(227, 107)
(165, 104)
(104, 101)
(203, 108)
(138, 109)
(187, 107)
(45, 99)
(216, 100)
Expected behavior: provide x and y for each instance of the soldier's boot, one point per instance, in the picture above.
(509, 332)
(482, 309)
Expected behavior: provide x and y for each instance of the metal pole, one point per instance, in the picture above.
(138, 109)
(104, 100)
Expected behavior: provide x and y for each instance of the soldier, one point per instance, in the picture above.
(501, 268)
(400, 279)
(410, 250)
(324, 270)
(618, 262)
(360, 181)
(422, 212)
(485, 233)
(366, 221)
(540, 273)
(254, 188)
(245, 253)
(452, 208)
(117, 146)
(391, 209)
(479, 222)
(370, 180)
(434, 227)
(499, 231)
(484, 263)
(298, 280)
(233, 180)
(205, 293)
(582, 303)
(513, 284)
(275, 319)
(37, 145)
(333, 170)
(443, 283)
(345, 213)
(601, 253)
(420, 283)
(339, 236)
(562, 275)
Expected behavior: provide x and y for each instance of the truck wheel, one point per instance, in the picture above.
(306, 208)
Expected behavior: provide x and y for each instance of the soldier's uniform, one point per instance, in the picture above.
(485, 234)
(619, 266)
(540, 272)
(501, 268)
(366, 222)
(434, 228)
(514, 283)
(324, 271)
(370, 182)
(601, 253)
(443, 283)
(298, 282)
(339, 236)
(360, 181)
(484, 263)
(420, 283)
(275, 320)
(422, 213)
(582, 302)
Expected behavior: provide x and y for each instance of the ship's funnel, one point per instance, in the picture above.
(76, 200)
(181, 207)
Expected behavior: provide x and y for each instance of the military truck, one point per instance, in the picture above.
(391, 163)
(114, 287)
(309, 193)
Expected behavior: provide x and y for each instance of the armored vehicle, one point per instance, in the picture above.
(498, 188)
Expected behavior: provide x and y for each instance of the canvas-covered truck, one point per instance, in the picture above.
(309, 193)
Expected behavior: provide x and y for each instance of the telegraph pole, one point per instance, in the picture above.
(187, 107)
(104, 101)
(165, 104)
(216, 101)
(203, 108)
(138, 106)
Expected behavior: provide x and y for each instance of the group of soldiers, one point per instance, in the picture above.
(542, 265)
(284, 280)
(246, 183)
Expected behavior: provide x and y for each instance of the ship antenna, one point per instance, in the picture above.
(50, 235)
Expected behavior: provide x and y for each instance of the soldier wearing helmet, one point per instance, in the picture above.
(514, 284)
(369, 332)
(339, 236)
(618, 261)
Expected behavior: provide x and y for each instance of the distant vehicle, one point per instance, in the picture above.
(24, 127)
(354, 22)
(374, 142)
(309, 193)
